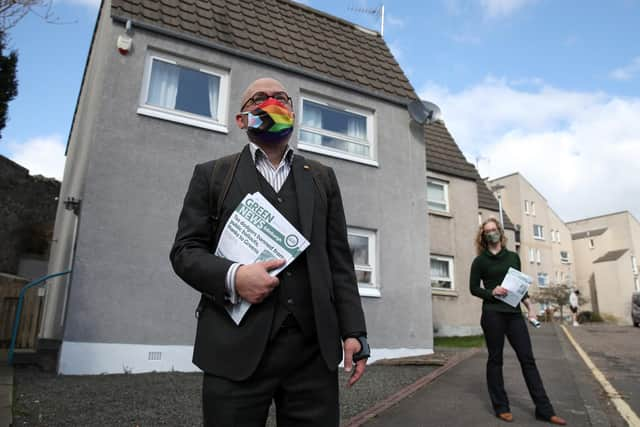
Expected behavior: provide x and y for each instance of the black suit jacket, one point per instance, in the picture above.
(233, 351)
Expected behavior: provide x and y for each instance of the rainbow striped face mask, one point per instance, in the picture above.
(270, 122)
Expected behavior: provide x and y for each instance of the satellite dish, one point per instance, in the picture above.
(424, 112)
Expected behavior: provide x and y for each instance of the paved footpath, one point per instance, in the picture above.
(6, 391)
(460, 398)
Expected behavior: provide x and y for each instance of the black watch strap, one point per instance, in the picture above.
(365, 350)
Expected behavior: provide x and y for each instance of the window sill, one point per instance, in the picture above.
(538, 238)
(331, 153)
(177, 118)
(369, 292)
(440, 213)
(444, 292)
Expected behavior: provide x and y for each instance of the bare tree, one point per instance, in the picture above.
(557, 295)
(12, 11)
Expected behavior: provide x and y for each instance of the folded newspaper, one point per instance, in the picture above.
(517, 283)
(256, 232)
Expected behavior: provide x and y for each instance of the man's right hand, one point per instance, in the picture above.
(253, 282)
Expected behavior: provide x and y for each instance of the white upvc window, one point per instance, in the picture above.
(538, 256)
(362, 243)
(564, 257)
(533, 208)
(543, 280)
(538, 232)
(636, 283)
(526, 207)
(557, 277)
(558, 236)
(337, 130)
(437, 195)
(532, 255)
(553, 235)
(185, 91)
(442, 272)
(592, 244)
(634, 264)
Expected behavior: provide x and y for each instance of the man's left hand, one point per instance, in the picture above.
(352, 346)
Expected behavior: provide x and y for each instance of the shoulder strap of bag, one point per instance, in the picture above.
(221, 177)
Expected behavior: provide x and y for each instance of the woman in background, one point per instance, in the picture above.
(499, 319)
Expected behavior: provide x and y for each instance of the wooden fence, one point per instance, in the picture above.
(10, 287)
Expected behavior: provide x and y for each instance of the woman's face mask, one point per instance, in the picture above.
(270, 122)
(492, 237)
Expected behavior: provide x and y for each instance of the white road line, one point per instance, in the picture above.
(623, 408)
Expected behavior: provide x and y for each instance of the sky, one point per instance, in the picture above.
(547, 88)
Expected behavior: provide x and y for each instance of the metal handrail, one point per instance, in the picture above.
(16, 321)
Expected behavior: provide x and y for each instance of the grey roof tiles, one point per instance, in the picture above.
(284, 30)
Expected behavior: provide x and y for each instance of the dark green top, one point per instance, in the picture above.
(491, 269)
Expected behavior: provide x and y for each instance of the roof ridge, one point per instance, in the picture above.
(328, 15)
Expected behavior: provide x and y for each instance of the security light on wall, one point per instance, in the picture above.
(424, 112)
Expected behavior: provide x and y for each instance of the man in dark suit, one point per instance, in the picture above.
(301, 323)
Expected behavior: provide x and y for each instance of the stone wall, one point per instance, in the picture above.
(27, 214)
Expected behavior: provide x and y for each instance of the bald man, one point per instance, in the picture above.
(303, 322)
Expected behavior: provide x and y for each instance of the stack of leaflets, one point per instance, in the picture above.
(256, 232)
(517, 283)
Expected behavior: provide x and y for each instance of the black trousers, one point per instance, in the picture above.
(496, 326)
(292, 373)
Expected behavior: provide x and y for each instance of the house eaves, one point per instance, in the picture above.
(611, 256)
(588, 233)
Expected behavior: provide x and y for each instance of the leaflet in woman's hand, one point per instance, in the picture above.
(517, 283)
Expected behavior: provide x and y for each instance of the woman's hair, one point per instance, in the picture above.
(481, 244)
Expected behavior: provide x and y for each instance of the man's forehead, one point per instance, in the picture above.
(267, 85)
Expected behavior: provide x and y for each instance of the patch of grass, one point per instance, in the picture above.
(461, 342)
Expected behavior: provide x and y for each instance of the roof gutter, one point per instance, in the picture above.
(403, 102)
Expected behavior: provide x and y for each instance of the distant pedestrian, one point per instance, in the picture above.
(499, 319)
(573, 305)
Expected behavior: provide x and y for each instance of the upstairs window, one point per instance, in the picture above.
(337, 130)
(526, 207)
(543, 280)
(184, 92)
(538, 232)
(437, 195)
(564, 257)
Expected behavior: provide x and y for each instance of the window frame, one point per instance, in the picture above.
(185, 117)
(532, 255)
(546, 280)
(369, 114)
(533, 208)
(450, 261)
(445, 185)
(634, 264)
(526, 207)
(564, 260)
(536, 236)
(365, 289)
(538, 256)
(591, 243)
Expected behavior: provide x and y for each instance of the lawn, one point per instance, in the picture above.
(459, 342)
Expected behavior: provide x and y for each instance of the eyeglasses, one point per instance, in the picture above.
(260, 97)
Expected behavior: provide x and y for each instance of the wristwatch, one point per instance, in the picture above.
(365, 350)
